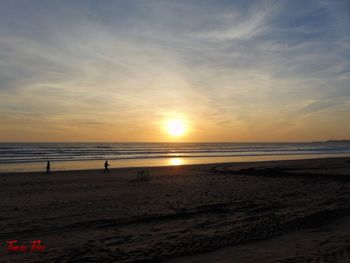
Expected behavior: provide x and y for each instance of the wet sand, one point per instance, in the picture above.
(281, 211)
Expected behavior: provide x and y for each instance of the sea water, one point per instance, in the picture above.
(65, 156)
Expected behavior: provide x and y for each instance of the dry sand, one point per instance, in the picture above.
(283, 211)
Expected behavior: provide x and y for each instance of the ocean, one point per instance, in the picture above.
(17, 157)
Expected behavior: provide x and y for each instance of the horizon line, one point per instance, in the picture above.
(301, 141)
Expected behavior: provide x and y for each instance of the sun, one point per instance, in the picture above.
(175, 127)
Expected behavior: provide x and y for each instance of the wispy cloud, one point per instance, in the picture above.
(238, 71)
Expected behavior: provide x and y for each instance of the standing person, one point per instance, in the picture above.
(48, 168)
(106, 167)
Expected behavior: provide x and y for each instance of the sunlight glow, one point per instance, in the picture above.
(176, 161)
(175, 127)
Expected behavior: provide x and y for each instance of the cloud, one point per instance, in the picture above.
(322, 105)
(243, 25)
(223, 63)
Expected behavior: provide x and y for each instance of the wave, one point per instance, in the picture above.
(39, 152)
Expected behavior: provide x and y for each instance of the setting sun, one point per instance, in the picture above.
(176, 127)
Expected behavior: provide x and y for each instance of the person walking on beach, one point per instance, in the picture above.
(48, 168)
(106, 170)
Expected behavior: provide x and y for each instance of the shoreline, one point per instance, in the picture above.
(76, 165)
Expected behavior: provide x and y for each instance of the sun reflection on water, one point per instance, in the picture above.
(176, 161)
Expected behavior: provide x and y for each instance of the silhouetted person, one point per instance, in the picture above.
(48, 171)
(106, 167)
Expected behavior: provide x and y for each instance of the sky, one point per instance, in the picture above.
(229, 70)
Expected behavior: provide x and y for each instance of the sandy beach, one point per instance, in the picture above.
(276, 211)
